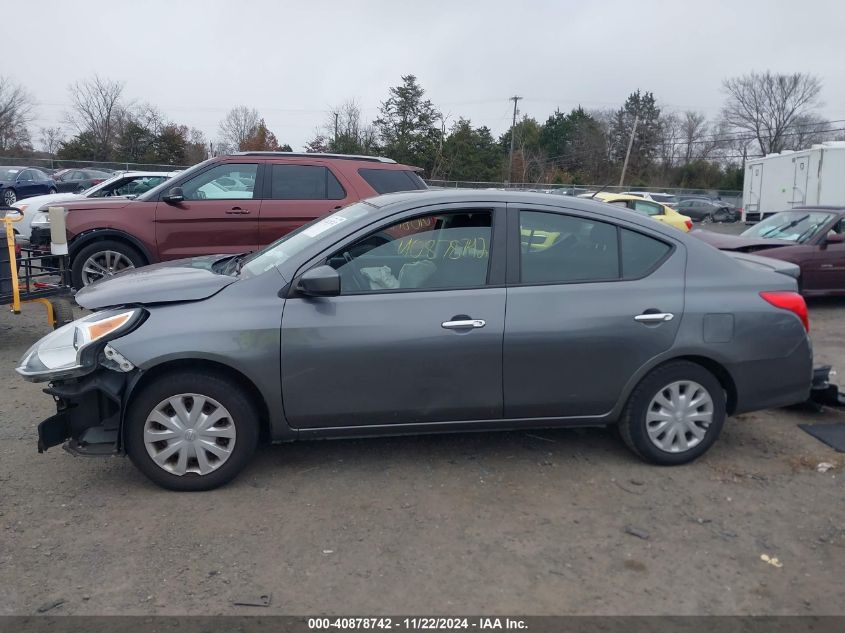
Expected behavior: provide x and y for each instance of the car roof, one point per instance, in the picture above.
(372, 159)
(831, 207)
(608, 195)
(423, 197)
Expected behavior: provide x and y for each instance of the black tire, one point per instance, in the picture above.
(632, 424)
(98, 246)
(62, 312)
(243, 416)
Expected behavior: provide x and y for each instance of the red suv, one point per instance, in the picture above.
(228, 204)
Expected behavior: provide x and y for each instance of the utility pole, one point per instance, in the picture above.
(628, 153)
(336, 115)
(515, 99)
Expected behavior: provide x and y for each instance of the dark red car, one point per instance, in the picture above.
(227, 204)
(812, 237)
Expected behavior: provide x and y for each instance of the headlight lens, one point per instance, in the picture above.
(42, 219)
(70, 350)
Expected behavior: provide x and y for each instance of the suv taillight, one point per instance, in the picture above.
(688, 224)
(791, 301)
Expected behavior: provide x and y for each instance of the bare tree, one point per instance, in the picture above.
(693, 136)
(97, 109)
(51, 139)
(346, 130)
(767, 105)
(15, 114)
(237, 128)
(807, 130)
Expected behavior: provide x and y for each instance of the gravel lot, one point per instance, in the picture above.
(549, 522)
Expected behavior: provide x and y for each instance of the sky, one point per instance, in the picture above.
(294, 60)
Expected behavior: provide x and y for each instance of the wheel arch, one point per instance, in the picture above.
(97, 235)
(714, 367)
(200, 364)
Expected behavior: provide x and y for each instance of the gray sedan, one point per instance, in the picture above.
(425, 312)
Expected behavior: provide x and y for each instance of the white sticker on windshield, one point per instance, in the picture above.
(324, 225)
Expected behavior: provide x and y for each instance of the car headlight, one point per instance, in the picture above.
(42, 219)
(72, 349)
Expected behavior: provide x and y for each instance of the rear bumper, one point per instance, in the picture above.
(89, 414)
(772, 383)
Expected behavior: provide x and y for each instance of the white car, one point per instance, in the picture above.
(129, 183)
(656, 196)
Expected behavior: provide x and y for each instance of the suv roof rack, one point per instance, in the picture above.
(373, 159)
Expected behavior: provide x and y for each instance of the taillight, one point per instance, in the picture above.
(96, 181)
(688, 224)
(791, 301)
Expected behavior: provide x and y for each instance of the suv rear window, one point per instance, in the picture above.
(390, 180)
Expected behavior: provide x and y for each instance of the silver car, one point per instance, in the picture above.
(424, 312)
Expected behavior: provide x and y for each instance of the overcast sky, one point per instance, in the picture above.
(294, 60)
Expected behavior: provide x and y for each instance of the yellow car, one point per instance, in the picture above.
(654, 210)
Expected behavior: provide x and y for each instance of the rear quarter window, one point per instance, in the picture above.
(392, 180)
(640, 254)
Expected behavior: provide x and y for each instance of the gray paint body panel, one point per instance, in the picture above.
(352, 366)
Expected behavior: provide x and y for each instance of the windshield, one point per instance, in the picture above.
(791, 226)
(296, 241)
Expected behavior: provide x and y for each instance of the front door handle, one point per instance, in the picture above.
(654, 317)
(237, 211)
(463, 324)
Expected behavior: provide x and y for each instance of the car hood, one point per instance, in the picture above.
(738, 242)
(168, 282)
(49, 199)
(100, 203)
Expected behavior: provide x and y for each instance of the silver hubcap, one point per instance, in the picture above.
(10, 198)
(189, 433)
(679, 415)
(104, 264)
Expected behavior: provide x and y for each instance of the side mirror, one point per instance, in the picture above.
(322, 281)
(175, 194)
(835, 238)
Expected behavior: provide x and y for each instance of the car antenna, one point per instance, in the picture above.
(602, 188)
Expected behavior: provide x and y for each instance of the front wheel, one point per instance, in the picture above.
(675, 414)
(103, 259)
(191, 431)
(52, 190)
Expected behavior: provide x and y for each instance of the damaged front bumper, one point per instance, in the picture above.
(89, 413)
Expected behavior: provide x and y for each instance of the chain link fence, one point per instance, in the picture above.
(52, 164)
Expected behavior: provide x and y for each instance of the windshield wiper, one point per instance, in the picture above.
(788, 225)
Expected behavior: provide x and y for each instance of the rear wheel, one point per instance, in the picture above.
(52, 190)
(9, 197)
(191, 431)
(102, 259)
(675, 414)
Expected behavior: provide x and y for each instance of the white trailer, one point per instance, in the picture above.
(779, 182)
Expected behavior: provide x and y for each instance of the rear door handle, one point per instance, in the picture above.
(463, 324)
(654, 317)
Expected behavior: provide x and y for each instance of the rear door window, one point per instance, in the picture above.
(392, 180)
(646, 207)
(557, 248)
(305, 182)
